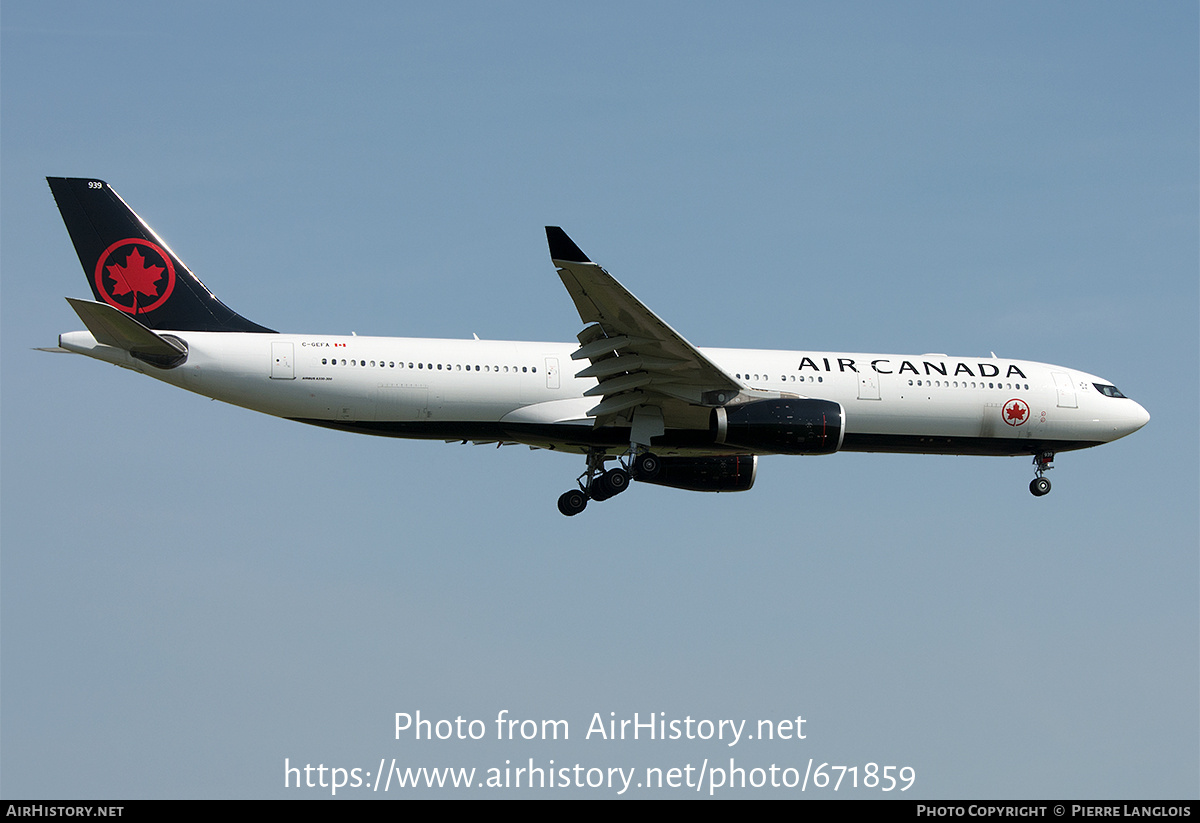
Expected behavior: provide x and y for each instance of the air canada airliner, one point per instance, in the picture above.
(633, 396)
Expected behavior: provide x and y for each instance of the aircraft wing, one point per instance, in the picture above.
(638, 358)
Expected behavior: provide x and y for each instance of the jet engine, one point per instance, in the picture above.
(784, 426)
(734, 473)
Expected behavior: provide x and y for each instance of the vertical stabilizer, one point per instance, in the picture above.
(129, 267)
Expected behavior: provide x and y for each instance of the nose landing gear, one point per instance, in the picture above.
(1040, 486)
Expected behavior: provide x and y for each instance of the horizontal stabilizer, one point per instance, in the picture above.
(113, 327)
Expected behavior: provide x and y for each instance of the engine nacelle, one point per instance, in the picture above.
(784, 426)
(734, 473)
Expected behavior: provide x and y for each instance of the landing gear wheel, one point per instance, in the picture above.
(617, 481)
(609, 484)
(572, 503)
(647, 466)
(1040, 486)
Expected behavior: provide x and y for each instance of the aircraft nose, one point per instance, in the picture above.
(1141, 417)
(1132, 420)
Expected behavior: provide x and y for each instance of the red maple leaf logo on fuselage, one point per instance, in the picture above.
(135, 276)
(1014, 415)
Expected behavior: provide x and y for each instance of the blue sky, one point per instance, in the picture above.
(191, 593)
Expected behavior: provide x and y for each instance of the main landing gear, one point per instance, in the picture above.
(597, 484)
(1040, 486)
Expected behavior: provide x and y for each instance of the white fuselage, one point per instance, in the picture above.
(527, 392)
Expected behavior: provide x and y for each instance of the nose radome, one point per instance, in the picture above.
(1131, 420)
(1141, 417)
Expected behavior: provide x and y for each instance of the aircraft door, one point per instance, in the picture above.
(1066, 390)
(552, 372)
(868, 386)
(281, 362)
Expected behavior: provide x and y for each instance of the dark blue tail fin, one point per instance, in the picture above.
(129, 267)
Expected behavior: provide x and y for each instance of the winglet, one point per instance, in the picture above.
(563, 248)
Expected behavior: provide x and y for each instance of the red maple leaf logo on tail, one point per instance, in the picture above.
(135, 276)
(139, 285)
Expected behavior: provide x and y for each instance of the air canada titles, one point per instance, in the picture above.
(884, 365)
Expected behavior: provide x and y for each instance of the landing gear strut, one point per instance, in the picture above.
(597, 484)
(594, 484)
(1040, 486)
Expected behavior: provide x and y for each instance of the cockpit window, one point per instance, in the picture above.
(1107, 390)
